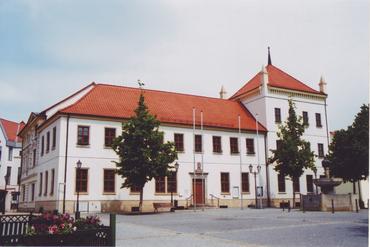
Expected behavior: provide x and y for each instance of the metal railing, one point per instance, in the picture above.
(212, 200)
(188, 199)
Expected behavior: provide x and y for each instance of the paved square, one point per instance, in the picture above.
(248, 227)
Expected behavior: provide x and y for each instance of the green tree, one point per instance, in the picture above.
(142, 153)
(293, 155)
(349, 150)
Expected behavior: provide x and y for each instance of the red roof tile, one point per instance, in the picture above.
(11, 129)
(120, 102)
(277, 78)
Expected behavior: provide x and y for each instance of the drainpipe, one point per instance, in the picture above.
(267, 173)
(65, 167)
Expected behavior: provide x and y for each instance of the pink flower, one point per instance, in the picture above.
(53, 229)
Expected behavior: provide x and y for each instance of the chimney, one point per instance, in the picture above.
(264, 79)
(223, 93)
(322, 85)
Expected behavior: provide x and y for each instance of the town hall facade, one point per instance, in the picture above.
(218, 140)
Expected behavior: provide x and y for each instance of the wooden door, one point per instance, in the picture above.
(199, 190)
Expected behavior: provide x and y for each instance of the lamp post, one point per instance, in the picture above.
(176, 166)
(255, 178)
(79, 164)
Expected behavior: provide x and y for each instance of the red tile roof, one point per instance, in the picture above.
(277, 78)
(120, 102)
(11, 129)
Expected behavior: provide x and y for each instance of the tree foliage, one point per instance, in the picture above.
(349, 150)
(142, 153)
(293, 155)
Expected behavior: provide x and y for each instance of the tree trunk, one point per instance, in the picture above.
(141, 199)
(360, 202)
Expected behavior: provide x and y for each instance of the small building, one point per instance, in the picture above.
(213, 162)
(10, 162)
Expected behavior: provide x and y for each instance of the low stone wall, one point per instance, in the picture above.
(325, 202)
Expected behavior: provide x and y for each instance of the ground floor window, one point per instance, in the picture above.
(225, 182)
(309, 181)
(166, 184)
(81, 180)
(281, 183)
(109, 180)
(296, 184)
(245, 182)
(135, 189)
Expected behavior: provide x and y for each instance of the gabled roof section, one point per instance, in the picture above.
(11, 129)
(120, 102)
(276, 78)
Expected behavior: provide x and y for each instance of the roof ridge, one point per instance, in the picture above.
(162, 91)
(80, 99)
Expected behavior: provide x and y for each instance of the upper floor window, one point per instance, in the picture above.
(10, 154)
(305, 118)
(198, 143)
(8, 175)
(217, 144)
(179, 142)
(34, 158)
(250, 145)
(83, 135)
(109, 136)
(320, 147)
(54, 142)
(234, 149)
(277, 115)
(48, 142)
(318, 120)
(42, 145)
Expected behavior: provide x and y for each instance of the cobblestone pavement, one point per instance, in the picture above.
(248, 227)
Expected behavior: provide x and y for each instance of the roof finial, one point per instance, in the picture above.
(269, 56)
(222, 93)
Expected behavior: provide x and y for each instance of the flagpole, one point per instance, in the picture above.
(194, 176)
(240, 165)
(201, 129)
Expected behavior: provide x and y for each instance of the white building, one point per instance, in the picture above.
(10, 161)
(81, 127)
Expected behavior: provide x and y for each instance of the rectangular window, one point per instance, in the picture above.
(305, 118)
(32, 192)
(225, 182)
(281, 183)
(83, 135)
(277, 115)
(172, 183)
(278, 144)
(54, 143)
(46, 183)
(135, 189)
(250, 146)
(109, 181)
(296, 185)
(309, 183)
(198, 143)
(234, 149)
(34, 158)
(42, 145)
(160, 185)
(318, 120)
(48, 142)
(320, 147)
(10, 154)
(19, 175)
(109, 136)
(245, 182)
(8, 174)
(216, 144)
(40, 185)
(81, 179)
(52, 182)
(179, 142)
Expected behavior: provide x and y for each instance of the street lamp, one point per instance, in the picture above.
(255, 178)
(176, 166)
(79, 164)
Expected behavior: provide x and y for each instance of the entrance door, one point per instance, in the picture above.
(199, 190)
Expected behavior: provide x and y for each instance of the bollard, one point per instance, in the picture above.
(356, 203)
(332, 206)
(288, 205)
(283, 204)
(112, 225)
(303, 206)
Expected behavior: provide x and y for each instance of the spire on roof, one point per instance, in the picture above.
(222, 93)
(269, 56)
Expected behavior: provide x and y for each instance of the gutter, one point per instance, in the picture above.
(65, 166)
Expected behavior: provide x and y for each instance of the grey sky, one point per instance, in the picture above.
(50, 49)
